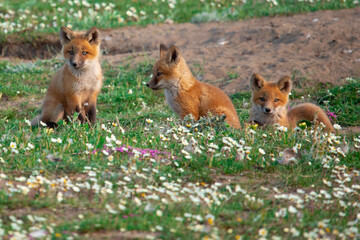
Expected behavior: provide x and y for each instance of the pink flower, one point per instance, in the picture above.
(331, 115)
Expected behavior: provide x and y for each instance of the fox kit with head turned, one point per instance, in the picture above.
(269, 100)
(184, 93)
(76, 85)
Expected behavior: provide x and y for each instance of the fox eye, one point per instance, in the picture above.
(158, 74)
(71, 52)
(84, 53)
(276, 100)
(262, 99)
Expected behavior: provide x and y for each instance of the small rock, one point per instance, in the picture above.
(52, 158)
(169, 21)
(289, 157)
(222, 41)
(315, 20)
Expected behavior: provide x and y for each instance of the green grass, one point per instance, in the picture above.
(343, 101)
(28, 20)
(205, 180)
(346, 105)
(227, 190)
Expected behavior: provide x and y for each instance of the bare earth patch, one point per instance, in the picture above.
(16, 104)
(323, 46)
(121, 235)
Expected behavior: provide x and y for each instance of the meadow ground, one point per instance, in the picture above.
(140, 172)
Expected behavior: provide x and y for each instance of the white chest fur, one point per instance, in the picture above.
(88, 80)
(170, 96)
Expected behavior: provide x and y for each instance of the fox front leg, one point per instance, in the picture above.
(92, 113)
(74, 105)
(81, 114)
(91, 108)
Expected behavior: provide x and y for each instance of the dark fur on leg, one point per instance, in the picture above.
(52, 125)
(92, 114)
(81, 115)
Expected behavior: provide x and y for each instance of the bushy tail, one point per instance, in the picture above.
(35, 121)
(309, 111)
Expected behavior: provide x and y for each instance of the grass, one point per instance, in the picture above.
(29, 20)
(205, 181)
(142, 172)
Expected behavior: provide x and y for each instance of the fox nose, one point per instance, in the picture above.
(147, 85)
(267, 110)
(74, 64)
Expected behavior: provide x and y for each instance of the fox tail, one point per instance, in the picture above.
(310, 112)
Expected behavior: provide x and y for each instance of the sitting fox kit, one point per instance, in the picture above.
(76, 85)
(269, 105)
(184, 93)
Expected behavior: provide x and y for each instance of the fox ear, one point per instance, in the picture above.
(173, 55)
(66, 35)
(163, 50)
(256, 82)
(93, 36)
(284, 84)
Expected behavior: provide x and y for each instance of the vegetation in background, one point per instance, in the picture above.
(25, 20)
(142, 169)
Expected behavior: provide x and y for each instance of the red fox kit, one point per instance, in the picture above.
(76, 85)
(269, 100)
(184, 93)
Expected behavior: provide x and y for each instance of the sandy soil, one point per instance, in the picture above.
(322, 46)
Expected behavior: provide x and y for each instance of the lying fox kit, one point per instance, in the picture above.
(269, 100)
(184, 93)
(76, 85)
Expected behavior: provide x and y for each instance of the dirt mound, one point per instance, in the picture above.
(45, 46)
(323, 46)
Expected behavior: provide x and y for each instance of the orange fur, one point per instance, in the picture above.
(76, 85)
(269, 100)
(184, 93)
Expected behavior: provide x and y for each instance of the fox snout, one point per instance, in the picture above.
(152, 83)
(76, 63)
(267, 110)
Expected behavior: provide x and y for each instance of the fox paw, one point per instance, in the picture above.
(52, 125)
